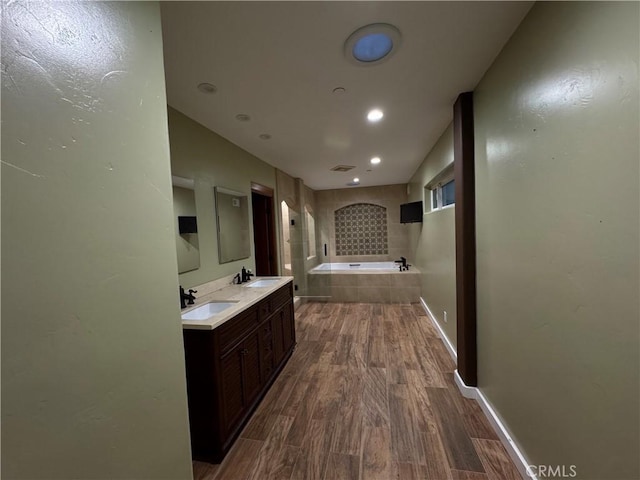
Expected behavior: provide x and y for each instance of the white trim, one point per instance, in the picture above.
(466, 391)
(474, 393)
(505, 437)
(445, 339)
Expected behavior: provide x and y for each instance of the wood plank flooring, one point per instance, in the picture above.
(367, 395)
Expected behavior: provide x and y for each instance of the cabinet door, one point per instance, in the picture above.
(278, 344)
(284, 336)
(266, 351)
(231, 386)
(288, 327)
(251, 367)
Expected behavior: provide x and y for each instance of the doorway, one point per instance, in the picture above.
(264, 231)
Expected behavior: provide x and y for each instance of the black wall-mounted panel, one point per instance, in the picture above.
(187, 225)
(411, 212)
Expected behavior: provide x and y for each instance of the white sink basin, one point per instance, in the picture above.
(265, 282)
(207, 310)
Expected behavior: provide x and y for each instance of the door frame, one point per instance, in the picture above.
(272, 246)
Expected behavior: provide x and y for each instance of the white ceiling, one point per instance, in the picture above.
(280, 61)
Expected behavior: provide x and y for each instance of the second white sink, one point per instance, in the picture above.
(207, 310)
(265, 282)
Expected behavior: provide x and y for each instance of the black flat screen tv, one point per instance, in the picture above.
(411, 212)
(187, 225)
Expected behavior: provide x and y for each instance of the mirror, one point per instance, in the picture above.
(186, 228)
(232, 210)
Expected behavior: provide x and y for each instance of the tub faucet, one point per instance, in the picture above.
(404, 266)
(189, 298)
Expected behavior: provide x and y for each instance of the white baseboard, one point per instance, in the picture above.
(496, 422)
(297, 303)
(474, 393)
(447, 343)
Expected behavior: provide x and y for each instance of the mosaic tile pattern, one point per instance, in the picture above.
(361, 229)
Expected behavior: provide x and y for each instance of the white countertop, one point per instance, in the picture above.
(242, 294)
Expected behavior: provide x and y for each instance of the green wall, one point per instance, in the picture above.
(557, 174)
(557, 164)
(93, 382)
(212, 161)
(433, 240)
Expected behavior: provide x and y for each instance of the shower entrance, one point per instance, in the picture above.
(302, 252)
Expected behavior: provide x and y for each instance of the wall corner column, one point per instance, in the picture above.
(464, 173)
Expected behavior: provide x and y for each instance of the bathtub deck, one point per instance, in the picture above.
(366, 286)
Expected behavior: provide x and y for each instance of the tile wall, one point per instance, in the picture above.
(387, 196)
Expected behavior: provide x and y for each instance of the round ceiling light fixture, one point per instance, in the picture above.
(375, 115)
(207, 88)
(264, 136)
(372, 44)
(243, 117)
(375, 160)
(339, 90)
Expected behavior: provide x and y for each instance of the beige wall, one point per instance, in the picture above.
(433, 240)
(298, 197)
(312, 251)
(212, 161)
(388, 196)
(557, 163)
(289, 239)
(93, 382)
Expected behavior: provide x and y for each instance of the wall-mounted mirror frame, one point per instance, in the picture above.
(232, 212)
(184, 205)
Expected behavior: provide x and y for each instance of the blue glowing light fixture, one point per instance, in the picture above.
(372, 44)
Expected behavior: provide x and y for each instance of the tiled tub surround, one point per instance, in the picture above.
(222, 289)
(361, 229)
(382, 284)
(328, 202)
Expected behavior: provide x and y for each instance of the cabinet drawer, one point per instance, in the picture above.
(234, 330)
(274, 301)
(280, 297)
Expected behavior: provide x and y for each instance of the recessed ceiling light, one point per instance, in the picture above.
(339, 90)
(356, 180)
(375, 115)
(375, 160)
(372, 44)
(264, 136)
(243, 117)
(207, 88)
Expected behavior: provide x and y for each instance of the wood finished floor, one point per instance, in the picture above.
(368, 394)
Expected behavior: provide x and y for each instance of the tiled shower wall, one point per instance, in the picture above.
(387, 196)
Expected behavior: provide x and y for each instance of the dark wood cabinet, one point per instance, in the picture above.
(283, 329)
(230, 368)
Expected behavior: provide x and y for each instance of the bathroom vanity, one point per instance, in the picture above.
(233, 358)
